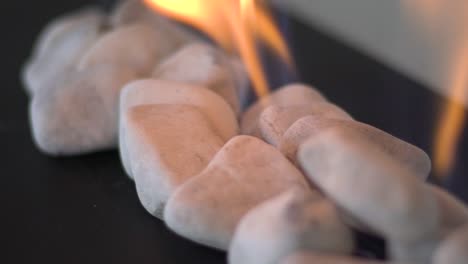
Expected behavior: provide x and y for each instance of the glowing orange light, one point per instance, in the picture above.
(236, 25)
(452, 120)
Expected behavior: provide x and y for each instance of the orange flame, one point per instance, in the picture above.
(236, 25)
(452, 119)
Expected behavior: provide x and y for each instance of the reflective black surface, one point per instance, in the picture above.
(85, 210)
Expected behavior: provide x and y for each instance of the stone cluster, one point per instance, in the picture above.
(287, 180)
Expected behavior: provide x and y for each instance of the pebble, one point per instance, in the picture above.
(78, 113)
(413, 158)
(167, 145)
(296, 220)
(244, 173)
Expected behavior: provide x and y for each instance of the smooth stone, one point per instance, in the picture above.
(150, 91)
(60, 46)
(138, 46)
(409, 156)
(292, 94)
(370, 185)
(244, 173)
(204, 65)
(167, 145)
(276, 120)
(78, 114)
(296, 220)
(454, 250)
(452, 215)
(314, 258)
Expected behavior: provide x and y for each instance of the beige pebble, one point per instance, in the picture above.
(309, 127)
(167, 145)
(60, 46)
(150, 91)
(204, 65)
(369, 184)
(244, 173)
(78, 114)
(137, 46)
(276, 120)
(296, 220)
(454, 250)
(292, 94)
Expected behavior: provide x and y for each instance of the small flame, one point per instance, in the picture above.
(236, 25)
(433, 13)
(452, 120)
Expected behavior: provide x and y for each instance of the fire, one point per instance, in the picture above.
(433, 13)
(236, 25)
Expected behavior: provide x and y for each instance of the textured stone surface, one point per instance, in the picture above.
(78, 114)
(60, 47)
(142, 92)
(167, 145)
(293, 94)
(244, 173)
(309, 127)
(204, 65)
(296, 220)
(367, 183)
(276, 120)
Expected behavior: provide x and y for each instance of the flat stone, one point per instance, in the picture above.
(150, 91)
(78, 113)
(312, 258)
(454, 250)
(370, 185)
(205, 65)
(160, 138)
(276, 120)
(244, 173)
(413, 158)
(296, 220)
(60, 46)
(138, 46)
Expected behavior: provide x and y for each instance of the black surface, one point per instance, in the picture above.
(84, 210)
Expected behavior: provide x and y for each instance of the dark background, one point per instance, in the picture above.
(84, 210)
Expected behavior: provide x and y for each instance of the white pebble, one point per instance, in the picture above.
(167, 144)
(452, 215)
(78, 113)
(454, 250)
(204, 65)
(218, 112)
(370, 185)
(60, 46)
(137, 46)
(244, 173)
(296, 220)
(413, 158)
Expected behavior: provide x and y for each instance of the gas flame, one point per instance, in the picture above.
(438, 16)
(236, 25)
